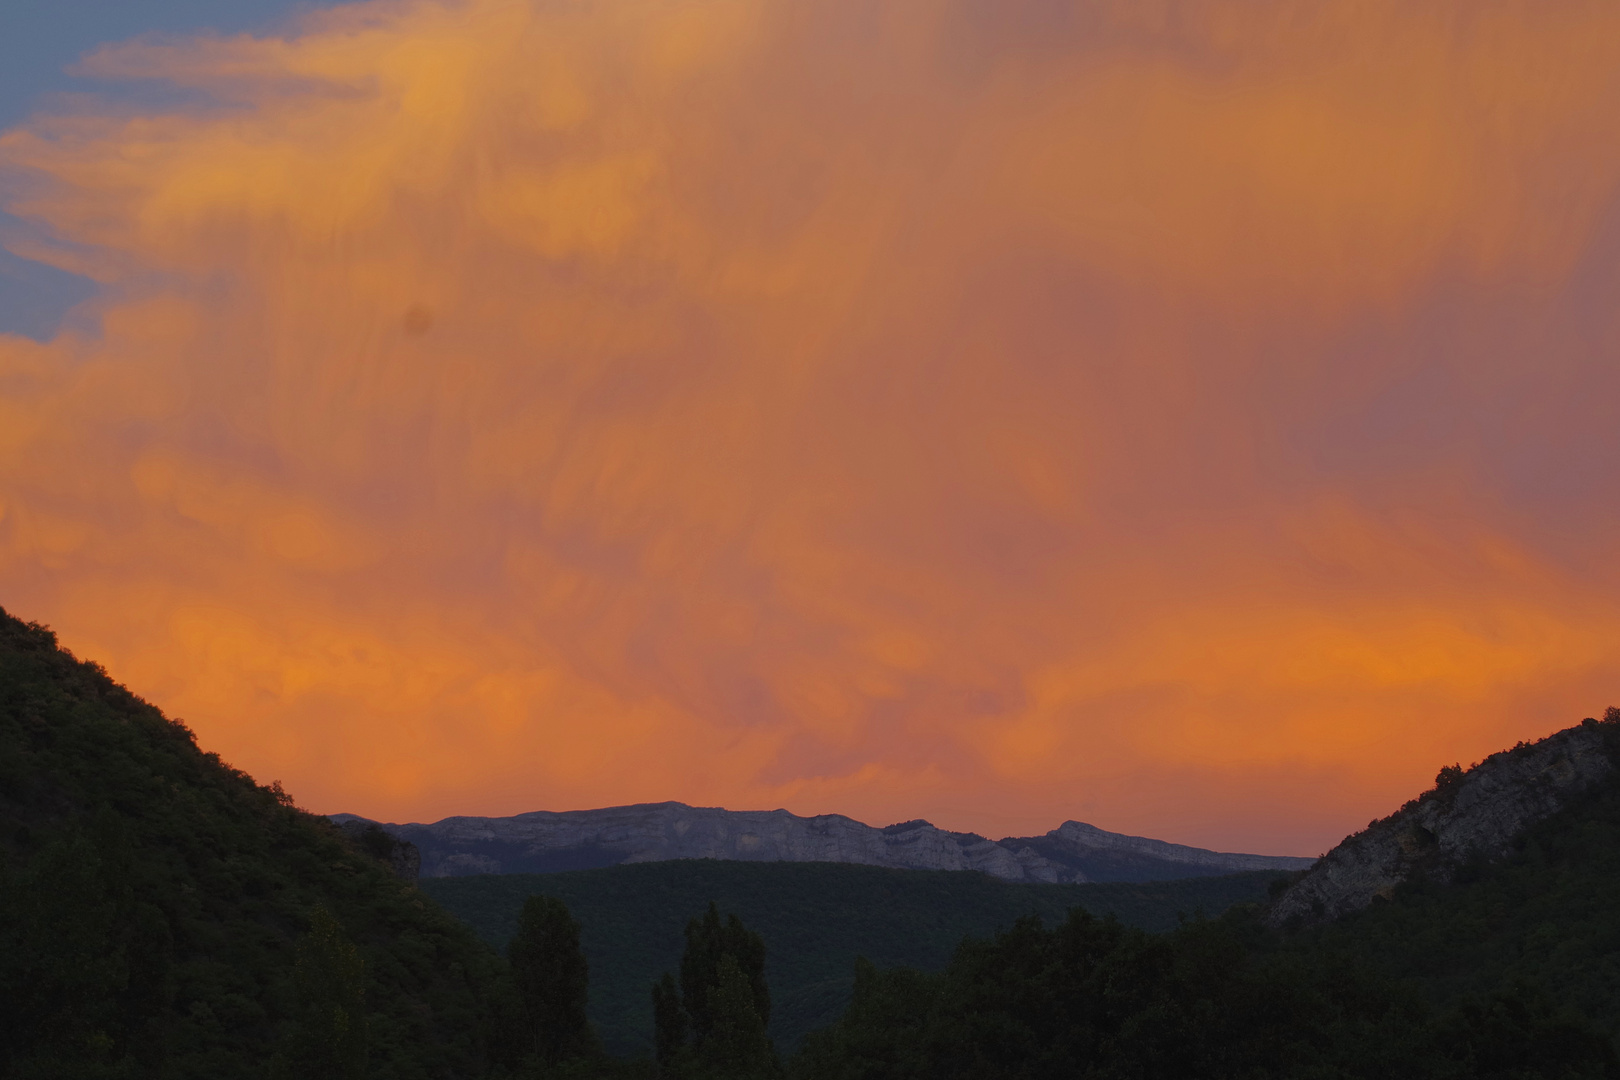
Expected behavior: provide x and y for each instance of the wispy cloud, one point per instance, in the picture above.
(1187, 416)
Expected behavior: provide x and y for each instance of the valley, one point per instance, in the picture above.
(162, 914)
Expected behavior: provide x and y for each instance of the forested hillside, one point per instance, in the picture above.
(816, 918)
(156, 904)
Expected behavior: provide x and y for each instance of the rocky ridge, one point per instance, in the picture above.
(1472, 814)
(546, 841)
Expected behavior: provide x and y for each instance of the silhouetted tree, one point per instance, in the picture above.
(551, 976)
(736, 1046)
(723, 1003)
(669, 1022)
(707, 940)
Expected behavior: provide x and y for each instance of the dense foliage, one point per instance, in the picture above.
(713, 1028)
(161, 915)
(1093, 998)
(552, 980)
(331, 1034)
(816, 919)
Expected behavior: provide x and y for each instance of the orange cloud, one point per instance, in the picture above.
(1186, 417)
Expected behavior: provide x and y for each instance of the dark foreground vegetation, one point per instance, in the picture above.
(1092, 998)
(1548, 917)
(816, 917)
(161, 915)
(1510, 970)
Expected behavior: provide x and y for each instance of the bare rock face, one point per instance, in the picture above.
(1469, 815)
(545, 841)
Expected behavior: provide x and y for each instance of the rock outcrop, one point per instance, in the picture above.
(1473, 814)
(400, 856)
(545, 841)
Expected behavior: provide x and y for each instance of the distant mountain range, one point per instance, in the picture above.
(547, 842)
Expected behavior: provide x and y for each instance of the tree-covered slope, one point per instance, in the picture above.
(1547, 914)
(153, 901)
(816, 918)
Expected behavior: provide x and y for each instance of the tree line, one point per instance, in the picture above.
(1089, 998)
(710, 1020)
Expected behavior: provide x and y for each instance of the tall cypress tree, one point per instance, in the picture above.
(669, 1022)
(707, 940)
(551, 975)
(736, 1046)
(723, 1002)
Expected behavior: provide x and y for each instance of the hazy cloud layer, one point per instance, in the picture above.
(1196, 418)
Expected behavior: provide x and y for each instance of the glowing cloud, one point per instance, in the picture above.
(1189, 417)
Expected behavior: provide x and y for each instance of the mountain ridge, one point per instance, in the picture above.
(545, 841)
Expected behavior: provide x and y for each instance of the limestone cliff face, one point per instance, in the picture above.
(1473, 814)
(545, 841)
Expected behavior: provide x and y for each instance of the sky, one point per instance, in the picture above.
(1192, 418)
(40, 42)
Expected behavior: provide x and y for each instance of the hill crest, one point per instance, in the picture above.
(1469, 814)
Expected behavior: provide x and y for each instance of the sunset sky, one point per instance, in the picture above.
(1194, 418)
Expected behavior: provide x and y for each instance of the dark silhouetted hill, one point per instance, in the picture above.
(153, 901)
(1469, 816)
(1513, 880)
